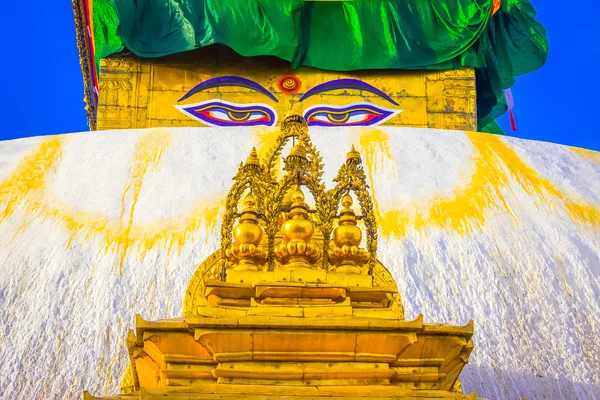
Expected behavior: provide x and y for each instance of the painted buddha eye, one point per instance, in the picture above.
(224, 113)
(356, 114)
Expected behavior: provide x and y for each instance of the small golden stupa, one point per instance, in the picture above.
(294, 305)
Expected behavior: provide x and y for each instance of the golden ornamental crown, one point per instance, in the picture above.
(275, 227)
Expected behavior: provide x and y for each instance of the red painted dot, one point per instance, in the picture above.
(289, 84)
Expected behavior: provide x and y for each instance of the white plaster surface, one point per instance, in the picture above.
(532, 286)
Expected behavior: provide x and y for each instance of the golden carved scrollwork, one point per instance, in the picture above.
(118, 73)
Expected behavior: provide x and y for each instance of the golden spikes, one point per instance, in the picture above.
(298, 152)
(353, 157)
(297, 161)
(252, 162)
(345, 254)
(294, 124)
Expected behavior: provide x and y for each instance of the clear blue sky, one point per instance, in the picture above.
(43, 89)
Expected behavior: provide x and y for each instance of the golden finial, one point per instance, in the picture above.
(347, 201)
(297, 162)
(353, 156)
(345, 254)
(298, 198)
(286, 205)
(244, 252)
(249, 206)
(347, 215)
(287, 201)
(252, 162)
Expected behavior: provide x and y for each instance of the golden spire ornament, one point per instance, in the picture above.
(344, 254)
(245, 252)
(296, 249)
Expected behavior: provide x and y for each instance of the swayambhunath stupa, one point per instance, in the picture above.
(294, 199)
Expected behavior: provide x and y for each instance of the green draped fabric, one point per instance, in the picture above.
(106, 23)
(348, 35)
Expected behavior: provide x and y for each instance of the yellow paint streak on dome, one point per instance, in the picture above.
(586, 154)
(26, 188)
(167, 233)
(29, 175)
(174, 233)
(374, 143)
(496, 163)
(467, 210)
(148, 155)
(579, 210)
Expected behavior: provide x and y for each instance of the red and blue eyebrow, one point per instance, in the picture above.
(229, 81)
(346, 84)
